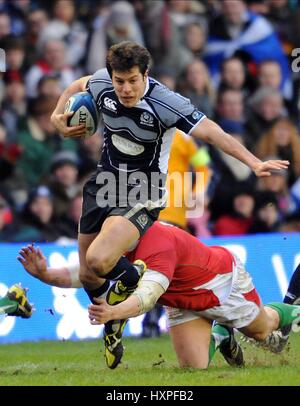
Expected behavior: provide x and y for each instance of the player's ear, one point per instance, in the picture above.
(146, 74)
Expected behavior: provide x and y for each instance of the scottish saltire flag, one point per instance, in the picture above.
(258, 39)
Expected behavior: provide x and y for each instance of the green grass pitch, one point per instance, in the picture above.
(145, 362)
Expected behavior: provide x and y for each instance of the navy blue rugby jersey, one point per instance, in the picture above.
(140, 137)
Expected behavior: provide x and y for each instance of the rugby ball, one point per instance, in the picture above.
(85, 112)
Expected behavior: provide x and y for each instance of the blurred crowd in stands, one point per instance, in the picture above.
(232, 58)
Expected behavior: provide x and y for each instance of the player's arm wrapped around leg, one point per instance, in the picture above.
(151, 287)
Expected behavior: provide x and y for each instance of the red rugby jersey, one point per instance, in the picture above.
(200, 276)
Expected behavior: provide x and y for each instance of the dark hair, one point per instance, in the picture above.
(124, 56)
(222, 92)
(12, 42)
(230, 59)
(42, 105)
(45, 78)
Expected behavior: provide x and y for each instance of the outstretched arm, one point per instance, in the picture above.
(35, 263)
(59, 118)
(210, 132)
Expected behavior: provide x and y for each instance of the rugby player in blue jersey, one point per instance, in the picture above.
(140, 116)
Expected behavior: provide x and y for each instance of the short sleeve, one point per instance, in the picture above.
(174, 110)
(162, 259)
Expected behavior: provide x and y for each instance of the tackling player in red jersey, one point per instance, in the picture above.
(199, 284)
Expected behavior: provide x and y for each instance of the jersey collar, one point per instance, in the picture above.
(146, 90)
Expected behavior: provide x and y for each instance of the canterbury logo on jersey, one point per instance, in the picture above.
(110, 104)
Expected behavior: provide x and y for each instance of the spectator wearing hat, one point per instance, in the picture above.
(63, 181)
(240, 218)
(266, 214)
(37, 219)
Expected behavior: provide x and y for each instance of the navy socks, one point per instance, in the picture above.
(124, 271)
